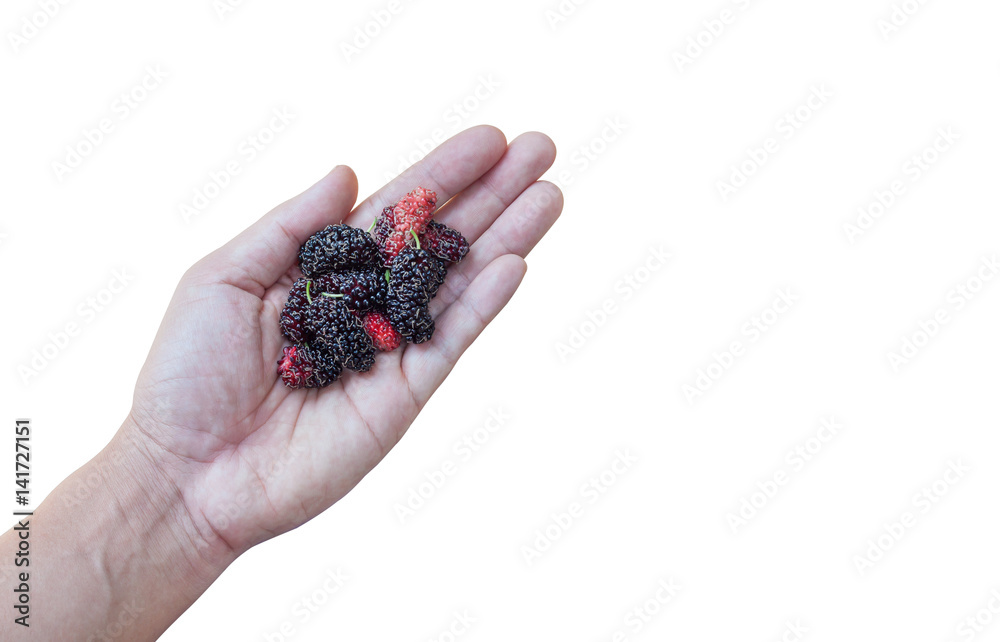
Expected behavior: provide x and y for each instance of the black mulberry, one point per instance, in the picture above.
(337, 247)
(444, 242)
(339, 332)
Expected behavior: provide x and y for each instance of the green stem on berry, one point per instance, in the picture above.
(416, 238)
(308, 296)
(374, 221)
(388, 276)
(333, 296)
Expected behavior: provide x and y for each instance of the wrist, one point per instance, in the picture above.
(118, 548)
(152, 509)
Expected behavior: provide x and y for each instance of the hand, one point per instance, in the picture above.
(250, 458)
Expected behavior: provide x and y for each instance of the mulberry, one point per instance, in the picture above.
(407, 311)
(384, 336)
(444, 242)
(362, 289)
(301, 366)
(293, 315)
(338, 332)
(337, 247)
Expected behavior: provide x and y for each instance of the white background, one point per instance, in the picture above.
(687, 126)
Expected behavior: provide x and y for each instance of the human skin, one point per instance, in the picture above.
(199, 471)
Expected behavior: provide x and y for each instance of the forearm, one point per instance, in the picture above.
(114, 553)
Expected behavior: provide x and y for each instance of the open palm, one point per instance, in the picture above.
(251, 458)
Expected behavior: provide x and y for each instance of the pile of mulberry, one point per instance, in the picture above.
(364, 292)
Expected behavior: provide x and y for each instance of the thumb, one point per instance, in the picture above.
(265, 251)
